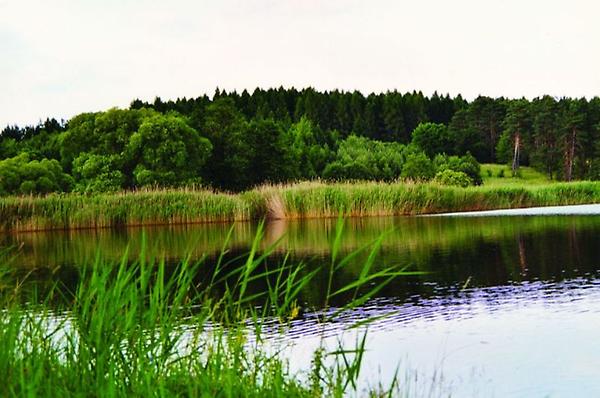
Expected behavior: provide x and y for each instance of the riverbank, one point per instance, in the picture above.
(295, 201)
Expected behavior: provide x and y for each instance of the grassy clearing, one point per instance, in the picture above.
(147, 330)
(301, 200)
(499, 175)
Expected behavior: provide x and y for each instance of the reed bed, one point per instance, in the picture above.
(292, 201)
(71, 211)
(374, 199)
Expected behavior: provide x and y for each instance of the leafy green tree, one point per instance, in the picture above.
(12, 132)
(271, 160)
(466, 136)
(593, 165)
(571, 119)
(98, 173)
(373, 119)
(485, 116)
(254, 140)
(167, 152)
(393, 119)
(8, 148)
(20, 175)
(359, 158)
(343, 114)
(413, 108)
(466, 164)
(308, 156)
(453, 178)
(418, 167)
(433, 138)
(546, 152)
(101, 133)
(516, 135)
(440, 109)
(43, 145)
(229, 164)
(357, 109)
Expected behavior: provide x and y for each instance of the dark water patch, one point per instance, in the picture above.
(451, 253)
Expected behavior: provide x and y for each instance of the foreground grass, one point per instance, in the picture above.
(146, 330)
(302, 200)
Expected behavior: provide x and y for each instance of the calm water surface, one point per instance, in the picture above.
(507, 306)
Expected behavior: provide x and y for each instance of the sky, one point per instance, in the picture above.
(63, 57)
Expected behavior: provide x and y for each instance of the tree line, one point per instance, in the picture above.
(234, 141)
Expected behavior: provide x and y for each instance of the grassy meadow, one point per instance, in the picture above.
(292, 201)
(500, 175)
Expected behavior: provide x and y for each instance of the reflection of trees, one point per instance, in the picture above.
(574, 245)
(522, 256)
(80, 247)
(490, 251)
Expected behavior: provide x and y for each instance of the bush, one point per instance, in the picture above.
(19, 175)
(348, 171)
(453, 178)
(167, 152)
(359, 158)
(433, 139)
(466, 164)
(96, 173)
(418, 167)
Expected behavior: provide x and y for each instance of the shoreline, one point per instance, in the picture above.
(303, 200)
(588, 209)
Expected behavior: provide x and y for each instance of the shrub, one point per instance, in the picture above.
(19, 175)
(97, 173)
(466, 164)
(453, 178)
(418, 167)
(359, 158)
(433, 138)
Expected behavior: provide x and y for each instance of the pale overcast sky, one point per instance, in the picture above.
(63, 57)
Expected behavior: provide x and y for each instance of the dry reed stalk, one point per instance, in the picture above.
(275, 207)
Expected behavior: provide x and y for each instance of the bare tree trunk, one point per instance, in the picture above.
(570, 158)
(517, 154)
(492, 141)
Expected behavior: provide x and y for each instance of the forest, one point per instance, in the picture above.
(233, 142)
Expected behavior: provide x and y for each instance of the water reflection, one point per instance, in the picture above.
(452, 252)
(515, 301)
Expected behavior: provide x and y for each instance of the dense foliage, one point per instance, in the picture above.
(236, 141)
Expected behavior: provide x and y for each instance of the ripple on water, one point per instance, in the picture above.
(501, 333)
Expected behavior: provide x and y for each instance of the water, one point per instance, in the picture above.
(507, 306)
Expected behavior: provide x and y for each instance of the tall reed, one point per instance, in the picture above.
(302, 200)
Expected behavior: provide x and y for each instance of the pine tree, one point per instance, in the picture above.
(546, 150)
(571, 120)
(517, 130)
(393, 119)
